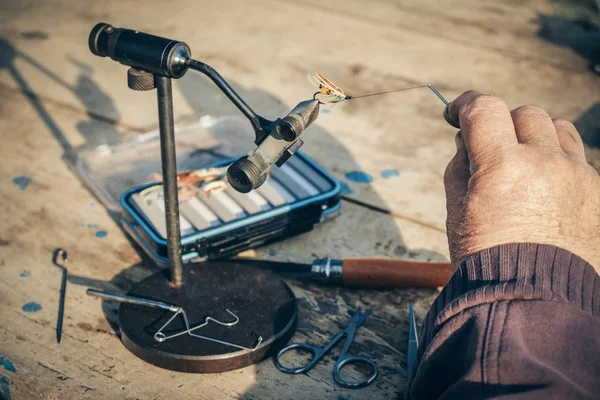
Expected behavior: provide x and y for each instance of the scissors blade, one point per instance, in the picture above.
(413, 342)
(359, 318)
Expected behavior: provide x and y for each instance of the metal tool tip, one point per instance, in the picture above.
(260, 339)
(438, 94)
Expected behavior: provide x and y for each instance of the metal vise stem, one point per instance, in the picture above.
(169, 173)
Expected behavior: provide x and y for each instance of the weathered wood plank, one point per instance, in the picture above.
(83, 101)
(511, 28)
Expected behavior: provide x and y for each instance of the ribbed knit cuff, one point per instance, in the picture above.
(516, 271)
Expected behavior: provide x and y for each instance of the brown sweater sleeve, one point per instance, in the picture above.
(517, 321)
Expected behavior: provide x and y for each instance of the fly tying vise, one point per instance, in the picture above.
(333, 94)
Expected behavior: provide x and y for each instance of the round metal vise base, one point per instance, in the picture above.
(264, 304)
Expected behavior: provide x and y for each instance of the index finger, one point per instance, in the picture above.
(486, 125)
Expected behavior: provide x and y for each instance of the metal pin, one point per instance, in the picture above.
(63, 289)
(438, 94)
(447, 116)
(122, 298)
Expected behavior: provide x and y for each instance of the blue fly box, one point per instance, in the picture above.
(292, 201)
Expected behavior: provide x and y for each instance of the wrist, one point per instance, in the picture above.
(588, 247)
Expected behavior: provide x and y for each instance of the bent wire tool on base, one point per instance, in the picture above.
(159, 336)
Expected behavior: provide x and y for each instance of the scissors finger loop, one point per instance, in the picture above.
(354, 360)
(316, 356)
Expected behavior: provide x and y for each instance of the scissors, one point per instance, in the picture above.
(343, 359)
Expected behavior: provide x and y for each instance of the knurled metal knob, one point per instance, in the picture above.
(243, 175)
(140, 80)
(291, 127)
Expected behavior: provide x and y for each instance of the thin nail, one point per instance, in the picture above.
(438, 94)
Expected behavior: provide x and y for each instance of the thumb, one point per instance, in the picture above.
(456, 177)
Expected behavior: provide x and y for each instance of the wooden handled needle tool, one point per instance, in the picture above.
(362, 272)
(381, 272)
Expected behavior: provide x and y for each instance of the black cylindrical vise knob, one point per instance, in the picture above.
(154, 54)
(244, 175)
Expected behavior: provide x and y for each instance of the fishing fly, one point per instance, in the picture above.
(332, 94)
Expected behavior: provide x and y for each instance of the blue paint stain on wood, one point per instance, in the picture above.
(4, 388)
(389, 173)
(272, 253)
(22, 181)
(25, 274)
(92, 204)
(345, 188)
(7, 364)
(32, 306)
(101, 234)
(359, 177)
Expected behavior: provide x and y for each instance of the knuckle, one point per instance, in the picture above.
(529, 110)
(471, 93)
(483, 104)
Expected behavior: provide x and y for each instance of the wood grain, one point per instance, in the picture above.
(75, 100)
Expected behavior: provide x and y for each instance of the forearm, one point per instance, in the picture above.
(517, 319)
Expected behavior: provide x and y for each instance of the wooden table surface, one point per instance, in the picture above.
(57, 99)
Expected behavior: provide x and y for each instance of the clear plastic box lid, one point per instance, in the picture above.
(111, 170)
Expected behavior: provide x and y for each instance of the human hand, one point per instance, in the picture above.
(519, 176)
